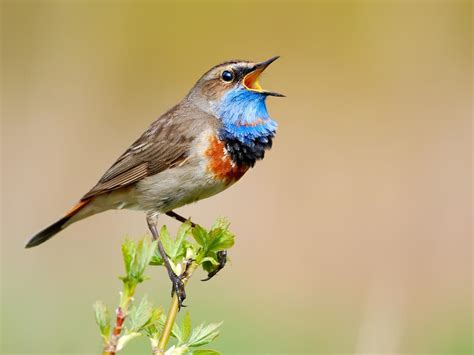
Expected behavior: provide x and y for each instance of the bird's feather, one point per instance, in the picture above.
(165, 144)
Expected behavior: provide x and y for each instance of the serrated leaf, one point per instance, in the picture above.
(152, 331)
(175, 331)
(140, 315)
(155, 325)
(124, 339)
(221, 240)
(185, 328)
(156, 260)
(134, 265)
(205, 340)
(136, 258)
(128, 251)
(202, 335)
(156, 315)
(221, 223)
(168, 244)
(206, 352)
(102, 318)
(200, 235)
(144, 251)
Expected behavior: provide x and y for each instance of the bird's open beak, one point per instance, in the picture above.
(250, 80)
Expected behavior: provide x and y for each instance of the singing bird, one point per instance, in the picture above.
(197, 149)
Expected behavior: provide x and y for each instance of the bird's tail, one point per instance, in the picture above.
(56, 227)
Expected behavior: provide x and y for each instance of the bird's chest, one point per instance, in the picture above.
(219, 162)
(207, 171)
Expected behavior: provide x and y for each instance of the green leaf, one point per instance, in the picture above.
(175, 330)
(221, 223)
(221, 240)
(185, 328)
(102, 318)
(178, 249)
(219, 237)
(144, 252)
(167, 242)
(153, 327)
(156, 315)
(156, 260)
(210, 259)
(139, 316)
(200, 235)
(209, 263)
(136, 258)
(206, 352)
(202, 335)
(128, 251)
(190, 251)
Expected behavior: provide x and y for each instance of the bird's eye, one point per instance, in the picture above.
(227, 75)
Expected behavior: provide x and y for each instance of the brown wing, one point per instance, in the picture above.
(164, 145)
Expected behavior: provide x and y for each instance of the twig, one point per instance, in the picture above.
(111, 347)
(172, 313)
(179, 218)
(122, 311)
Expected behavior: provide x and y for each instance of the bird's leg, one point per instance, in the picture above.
(180, 218)
(222, 259)
(178, 285)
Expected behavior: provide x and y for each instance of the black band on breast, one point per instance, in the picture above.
(246, 154)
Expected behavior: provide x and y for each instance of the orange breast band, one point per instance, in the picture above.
(220, 163)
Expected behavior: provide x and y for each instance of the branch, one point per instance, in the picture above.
(172, 313)
(110, 348)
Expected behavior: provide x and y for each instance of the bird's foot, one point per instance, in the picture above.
(178, 289)
(178, 283)
(222, 259)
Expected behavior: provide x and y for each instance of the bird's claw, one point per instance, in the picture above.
(222, 259)
(178, 289)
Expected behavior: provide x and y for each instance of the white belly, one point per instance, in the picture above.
(176, 187)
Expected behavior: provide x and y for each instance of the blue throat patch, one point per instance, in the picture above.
(247, 127)
(245, 116)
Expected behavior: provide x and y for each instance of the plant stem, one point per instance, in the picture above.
(110, 347)
(172, 313)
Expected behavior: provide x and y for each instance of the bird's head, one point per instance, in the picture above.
(234, 75)
(231, 92)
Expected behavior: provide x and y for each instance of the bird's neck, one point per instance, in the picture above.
(247, 129)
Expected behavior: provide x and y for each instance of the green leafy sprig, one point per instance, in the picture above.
(193, 247)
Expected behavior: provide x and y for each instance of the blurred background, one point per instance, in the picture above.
(353, 236)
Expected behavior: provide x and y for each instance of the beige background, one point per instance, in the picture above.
(353, 236)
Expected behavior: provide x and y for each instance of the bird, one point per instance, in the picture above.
(198, 148)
